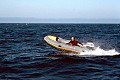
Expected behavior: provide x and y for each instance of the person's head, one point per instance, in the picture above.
(72, 38)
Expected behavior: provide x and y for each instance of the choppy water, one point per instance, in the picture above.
(24, 54)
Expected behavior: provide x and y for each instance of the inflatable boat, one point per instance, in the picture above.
(60, 44)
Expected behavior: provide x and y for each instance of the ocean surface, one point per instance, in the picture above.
(24, 55)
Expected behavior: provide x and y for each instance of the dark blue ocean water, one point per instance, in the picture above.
(24, 55)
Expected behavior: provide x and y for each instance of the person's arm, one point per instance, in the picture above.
(69, 42)
(80, 44)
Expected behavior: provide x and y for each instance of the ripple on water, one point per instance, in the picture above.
(25, 55)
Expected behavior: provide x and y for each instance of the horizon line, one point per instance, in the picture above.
(58, 20)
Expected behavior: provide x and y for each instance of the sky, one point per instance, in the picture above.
(84, 9)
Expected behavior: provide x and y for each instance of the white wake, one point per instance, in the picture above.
(97, 52)
(100, 52)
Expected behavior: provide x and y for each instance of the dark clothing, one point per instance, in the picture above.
(57, 38)
(74, 43)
